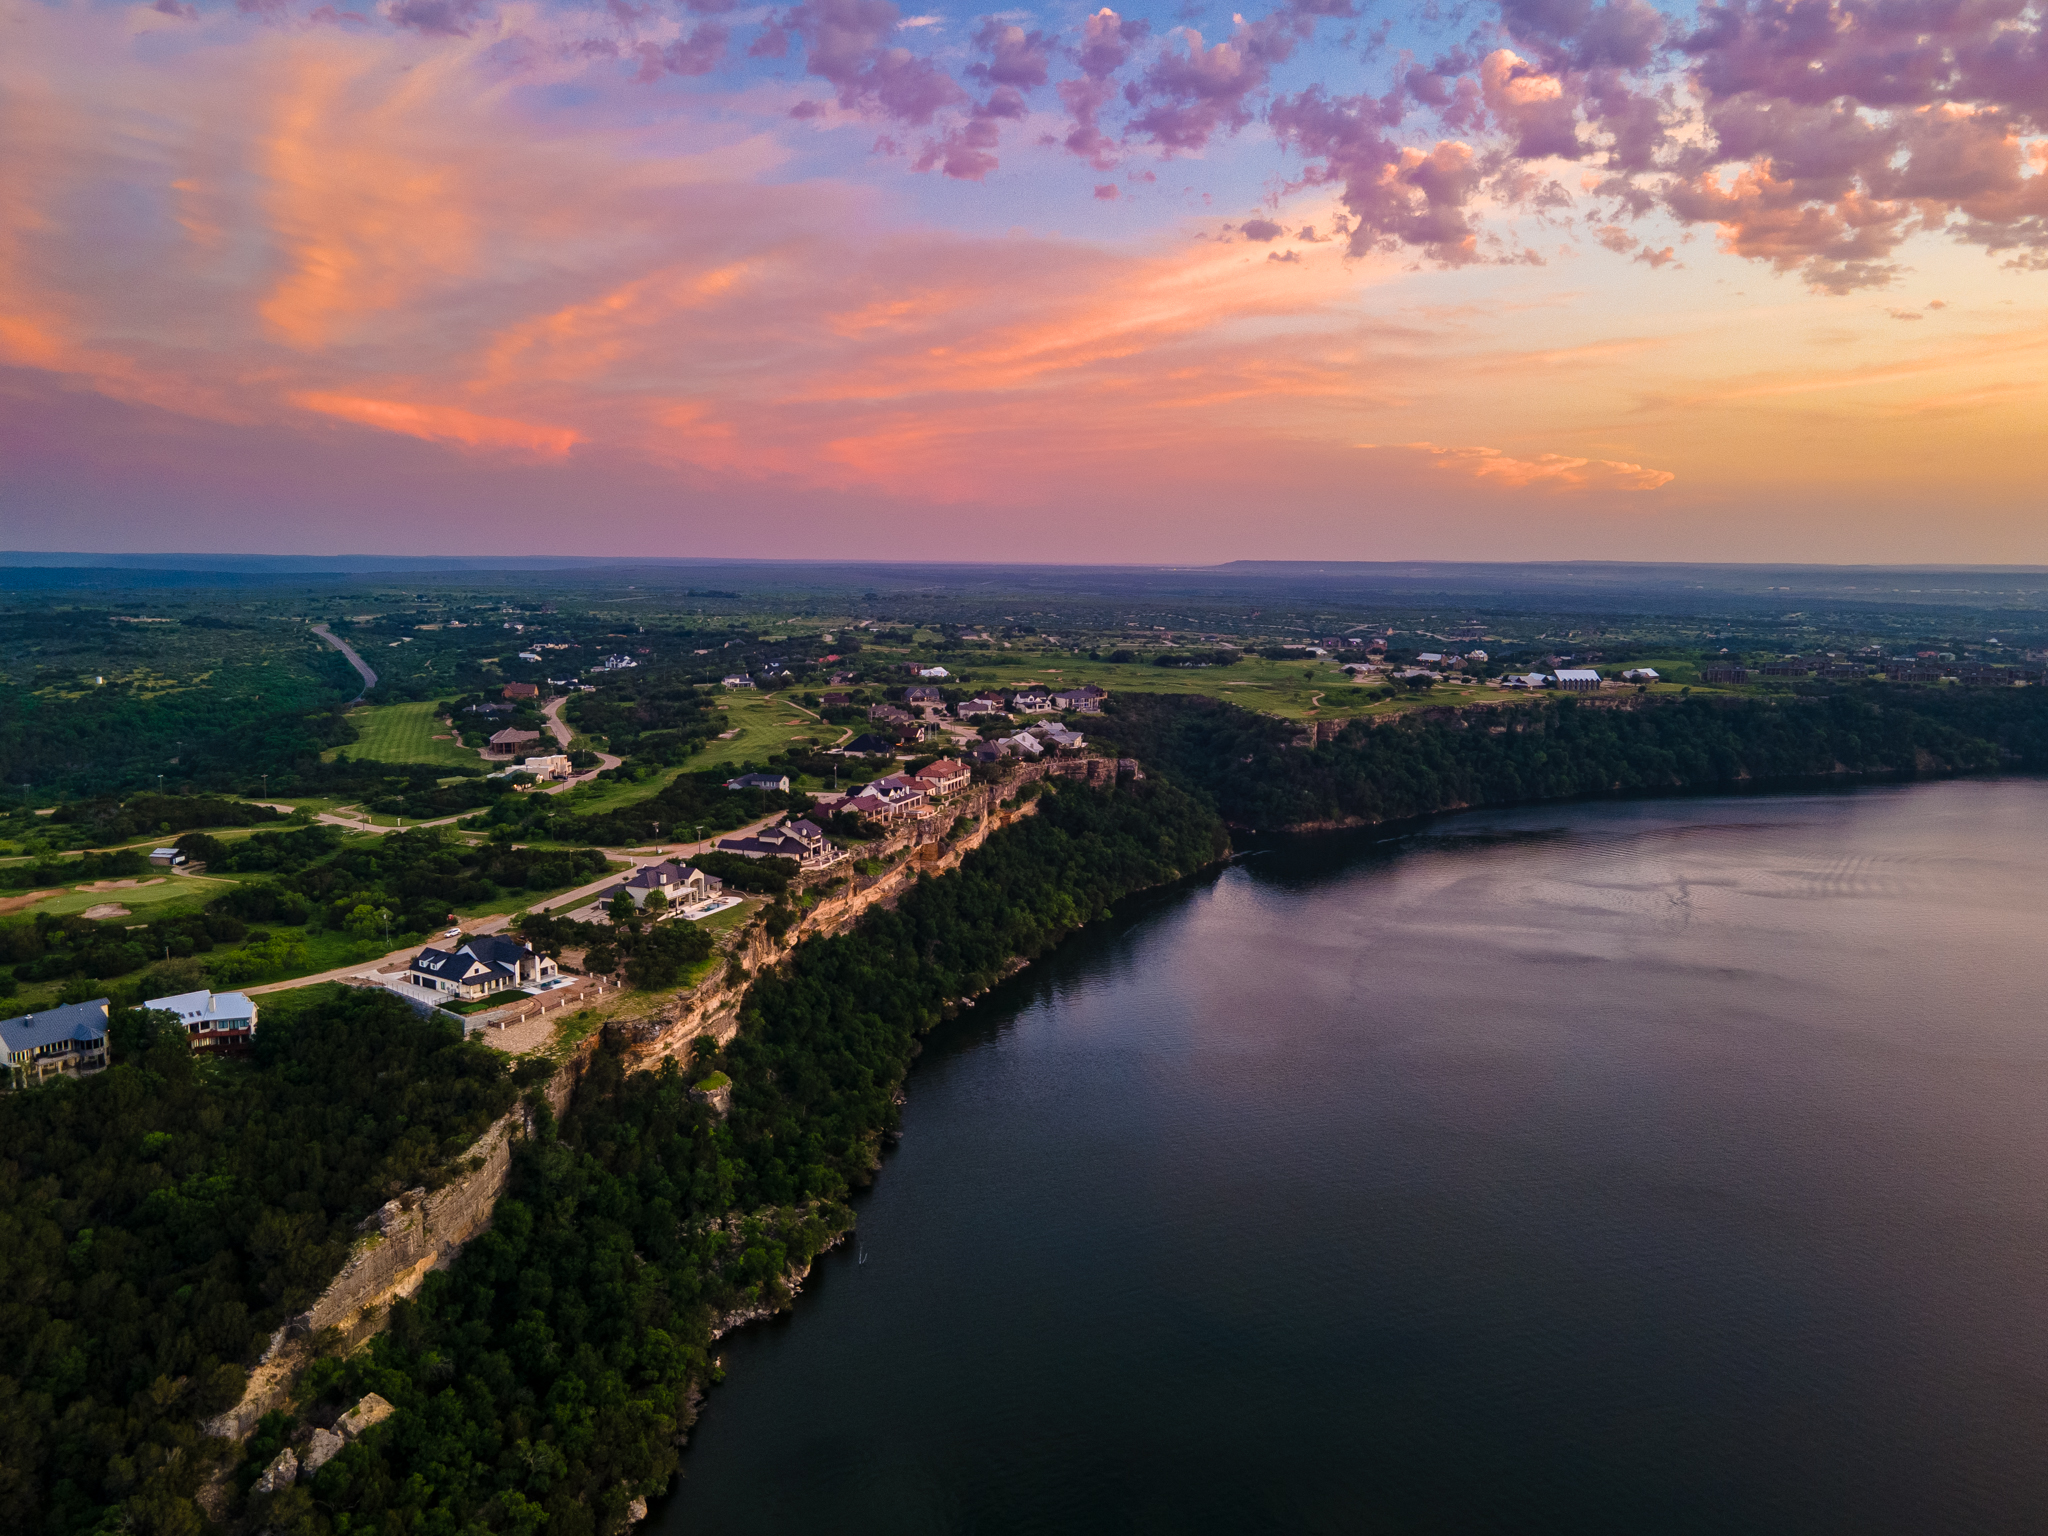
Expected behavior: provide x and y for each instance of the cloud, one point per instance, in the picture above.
(436, 18)
(1260, 229)
(849, 47)
(442, 424)
(1554, 472)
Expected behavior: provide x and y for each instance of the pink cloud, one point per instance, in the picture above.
(1553, 472)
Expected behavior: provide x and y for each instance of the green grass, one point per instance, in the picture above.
(766, 725)
(601, 795)
(731, 917)
(519, 901)
(404, 733)
(178, 893)
(485, 1004)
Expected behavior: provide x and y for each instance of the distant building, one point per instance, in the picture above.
(1031, 701)
(1724, 673)
(1084, 700)
(737, 680)
(836, 700)
(508, 741)
(775, 781)
(166, 858)
(869, 743)
(1640, 675)
(923, 694)
(520, 691)
(1578, 679)
(966, 709)
(216, 1021)
(68, 1041)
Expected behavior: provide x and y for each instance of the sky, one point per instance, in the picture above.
(1334, 279)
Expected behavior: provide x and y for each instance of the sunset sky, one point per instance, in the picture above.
(1538, 280)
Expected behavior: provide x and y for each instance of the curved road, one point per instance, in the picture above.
(362, 666)
(559, 729)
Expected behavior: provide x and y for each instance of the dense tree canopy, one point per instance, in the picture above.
(158, 1220)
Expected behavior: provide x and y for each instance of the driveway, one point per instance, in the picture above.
(557, 728)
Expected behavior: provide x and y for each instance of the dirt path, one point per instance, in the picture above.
(361, 666)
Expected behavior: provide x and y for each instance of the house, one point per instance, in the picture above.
(836, 700)
(1023, 744)
(869, 743)
(216, 1021)
(519, 691)
(1725, 673)
(888, 714)
(779, 782)
(800, 840)
(1084, 700)
(1058, 736)
(1475, 656)
(1578, 679)
(509, 741)
(987, 752)
(967, 709)
(681, 885)
(1640, 675)
(166, 858)
(1031, 701)
(923, 694)
(932, 672)
(1430, 658)
(553, 766)
(944, 777)
(67, 1041)
(534, 656)
(481, 965)
(737, 680)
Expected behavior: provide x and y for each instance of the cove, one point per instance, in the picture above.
(1674, 1165)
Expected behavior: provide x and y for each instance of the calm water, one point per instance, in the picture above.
(1666, 1166)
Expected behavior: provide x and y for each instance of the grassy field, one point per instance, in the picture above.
(404, 733)
(766, 724)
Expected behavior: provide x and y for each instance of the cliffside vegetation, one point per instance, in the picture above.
(159, 1220)
(544, 1380)
(1248, 767)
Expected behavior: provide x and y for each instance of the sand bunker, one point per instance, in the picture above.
(107, 909)
(120, 885)
(26, 899)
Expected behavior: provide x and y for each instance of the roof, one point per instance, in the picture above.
(1577, 675)
(868, 743)
(759, 781)
(498, 950)
(653, 877)
(74, 1021)
(447, 964)
(228, 1007)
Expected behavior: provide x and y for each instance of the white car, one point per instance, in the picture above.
(452, 933)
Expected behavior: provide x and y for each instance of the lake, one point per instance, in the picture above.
(1654, 1166)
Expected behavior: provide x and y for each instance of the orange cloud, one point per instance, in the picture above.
(1547, 471)
(443, 424)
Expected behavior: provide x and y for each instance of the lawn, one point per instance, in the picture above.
(404, 733)
(519, 901)
(766, 724)
(176, 893)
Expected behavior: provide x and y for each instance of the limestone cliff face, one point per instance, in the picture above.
(401, 1244)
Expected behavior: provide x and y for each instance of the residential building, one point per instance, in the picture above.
(216, 1021)
(803, 841)
(1031, 701)
(1054, 734)
(944, 777)
(681, 885)
(1023, 744)
(737, 680)
(1724, 673)
(519, 691)
(836, 700)
(923, 694)
(889, 714)
(1578, 680)
(1791, 667)
(778, 782)
(869, 743)
(481, 965)
(166, 858)
(553, 766)
(509, 741)
(1640, 675)
(1084, 700)
(967, 709)
(68, 1041)
(1430, 658)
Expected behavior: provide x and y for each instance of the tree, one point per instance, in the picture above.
(657, 903)
(620, 908)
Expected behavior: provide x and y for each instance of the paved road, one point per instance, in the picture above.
(369, 677)
(552, 712)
